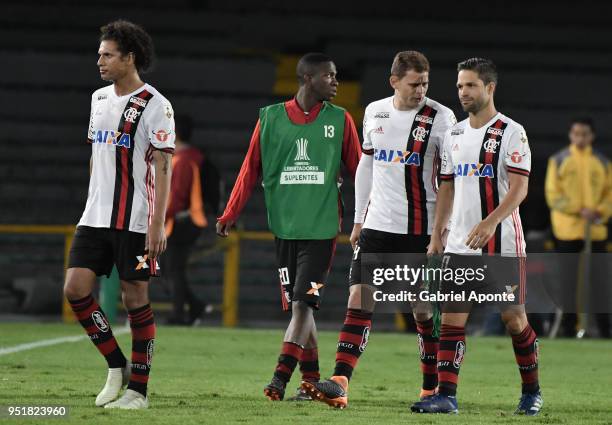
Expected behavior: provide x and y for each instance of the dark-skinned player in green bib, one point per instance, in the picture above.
(297, 148)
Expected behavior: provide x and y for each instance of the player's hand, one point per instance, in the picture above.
(155, 242)
(355, 234)
(481, 234)
(444, 237)
(590, 215)
(435, 246)
(223, 228)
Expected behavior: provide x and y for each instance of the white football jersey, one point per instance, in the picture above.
(123, 132)
(479, 161)
(406, 146)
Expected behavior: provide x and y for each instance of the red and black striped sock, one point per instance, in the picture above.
(525, 347)
(288, 359)
(93, 319)
(309, 365)
(352, 341)
(450, 357)
(428, 349)
(142, 324)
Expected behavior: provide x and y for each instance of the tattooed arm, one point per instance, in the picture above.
(156, 235)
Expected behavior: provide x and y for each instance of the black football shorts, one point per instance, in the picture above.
(303, 267)
(98, 249)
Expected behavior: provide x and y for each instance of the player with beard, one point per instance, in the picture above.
(485, 174)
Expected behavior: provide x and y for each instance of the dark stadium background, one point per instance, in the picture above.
(221, 61)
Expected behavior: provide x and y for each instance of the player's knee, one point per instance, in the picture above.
(73, 291)
(134, 299)
(515, 322)
(361, 298)
(422, 316)
(301, 307)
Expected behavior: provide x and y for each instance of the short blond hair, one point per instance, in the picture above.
(409, 60)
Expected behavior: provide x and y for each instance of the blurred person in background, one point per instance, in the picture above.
(185, 219)
(579, 191)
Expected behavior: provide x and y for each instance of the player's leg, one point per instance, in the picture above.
(352, 342)
(428, 347)
(428, 344)
(78, 290)
(312, 259)
(296, 337)
(135, 296)
(309, 363)
(452, 346)
(525, 344)
(309, 366)
(450, 356)
(134, 275)
(91, 255)
(524, 339)
(286, 256)
(355, 332)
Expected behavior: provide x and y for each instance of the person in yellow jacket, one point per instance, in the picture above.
(579, 190)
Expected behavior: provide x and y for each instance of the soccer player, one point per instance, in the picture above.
(297, 147)
(485, 173)
(396, 184)
(131, 131)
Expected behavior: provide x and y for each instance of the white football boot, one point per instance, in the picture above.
(117, 378)
(130, 400)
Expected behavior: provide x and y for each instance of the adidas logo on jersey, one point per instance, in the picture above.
(111, 137)
(400, 157)
(474, 170)
(379, 130)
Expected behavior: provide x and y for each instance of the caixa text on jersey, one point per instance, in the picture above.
(112, 137)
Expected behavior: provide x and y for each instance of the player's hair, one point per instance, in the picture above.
(308, 64)
(485, 68)
(584, 121)
(131, 38)
(183, 125)
(409, 60)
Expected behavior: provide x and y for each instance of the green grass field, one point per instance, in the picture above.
(213, 375)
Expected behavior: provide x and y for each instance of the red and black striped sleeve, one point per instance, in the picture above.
(516, 170)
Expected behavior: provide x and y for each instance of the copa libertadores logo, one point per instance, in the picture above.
(302, 150)
(302, 171)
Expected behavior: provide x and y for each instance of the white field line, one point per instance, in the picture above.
(53, 341)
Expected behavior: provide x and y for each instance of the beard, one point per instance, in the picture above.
(475, 106)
